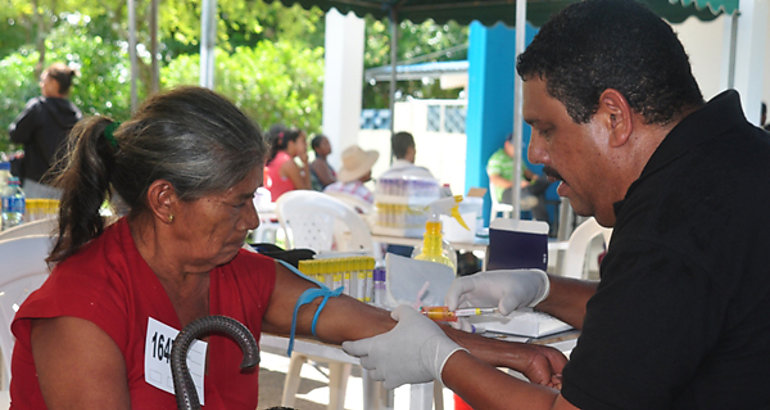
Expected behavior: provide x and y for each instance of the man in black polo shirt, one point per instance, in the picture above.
(681, 315)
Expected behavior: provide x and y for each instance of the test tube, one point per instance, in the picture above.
(380, 288)
(369, 287)
(443, 314)
(346, 266)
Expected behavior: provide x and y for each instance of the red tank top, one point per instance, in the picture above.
(109, 284)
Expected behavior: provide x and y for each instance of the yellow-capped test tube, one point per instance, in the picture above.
(443, 314)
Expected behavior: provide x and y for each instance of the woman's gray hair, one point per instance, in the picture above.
(192, 137)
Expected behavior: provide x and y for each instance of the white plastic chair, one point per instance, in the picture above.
(24, 269)
(45, 226)
(320, 222)
(355, 202)
(572, 264)
(504, 210)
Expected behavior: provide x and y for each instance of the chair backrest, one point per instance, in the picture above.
(45, 226)
(505, 210)
(23, 270)
(572, 265)
(322, 223)
(358, 204)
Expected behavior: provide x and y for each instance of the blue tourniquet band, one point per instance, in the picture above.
(306, 297)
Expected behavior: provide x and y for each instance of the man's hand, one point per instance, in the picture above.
(507, 290)
(415, 351)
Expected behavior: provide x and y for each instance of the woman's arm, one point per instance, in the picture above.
(499, 181)
(21, 128)
(541, 364)
(322, 171)
(299, 177)
(485, 387)
(78, 365)
(343, 318)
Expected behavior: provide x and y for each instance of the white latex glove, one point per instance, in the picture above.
(505, 289)
(414, 351)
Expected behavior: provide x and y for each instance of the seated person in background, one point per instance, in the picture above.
(500, 172)
(321, 172)
(403, 149)
(356, 169)
(282, 174)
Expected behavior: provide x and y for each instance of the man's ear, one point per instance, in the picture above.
(161, 197)
(617, 113)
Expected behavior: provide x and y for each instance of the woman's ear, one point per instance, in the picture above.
(161, 197)
(618, 115)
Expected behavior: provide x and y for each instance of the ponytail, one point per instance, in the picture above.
(85, 183)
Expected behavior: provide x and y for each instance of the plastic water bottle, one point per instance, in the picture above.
(5, 175)
(13, 201)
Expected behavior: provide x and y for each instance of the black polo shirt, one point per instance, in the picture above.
(681, 317)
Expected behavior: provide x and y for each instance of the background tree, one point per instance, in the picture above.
(269, 57)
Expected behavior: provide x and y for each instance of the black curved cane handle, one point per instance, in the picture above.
(186, 396)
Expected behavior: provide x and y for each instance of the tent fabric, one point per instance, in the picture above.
(715, 6)
(490, 12)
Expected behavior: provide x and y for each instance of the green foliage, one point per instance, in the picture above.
(241, 23)
(101, 88)
(279, 82)
(18, 87)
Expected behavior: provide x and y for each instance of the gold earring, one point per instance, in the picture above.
(171, 218)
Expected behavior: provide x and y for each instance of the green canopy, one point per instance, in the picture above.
(489, 12)
(727, 6)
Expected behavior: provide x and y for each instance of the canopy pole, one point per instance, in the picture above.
(208, 40)
(132, 51)
(393, 56)
(155, 83)
(521, 21)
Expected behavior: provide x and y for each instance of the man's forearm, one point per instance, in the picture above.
(567, 299)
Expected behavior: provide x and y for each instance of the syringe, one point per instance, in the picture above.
(443, 314)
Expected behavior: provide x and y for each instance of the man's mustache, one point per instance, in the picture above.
(552, 173)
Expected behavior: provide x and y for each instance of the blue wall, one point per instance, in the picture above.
(491, 71)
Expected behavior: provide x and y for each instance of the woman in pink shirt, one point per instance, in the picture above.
(282, 174)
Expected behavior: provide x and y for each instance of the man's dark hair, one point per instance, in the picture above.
(594, 45)
(400, 143)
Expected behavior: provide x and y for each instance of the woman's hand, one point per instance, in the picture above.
(303, 157)
(540, 364)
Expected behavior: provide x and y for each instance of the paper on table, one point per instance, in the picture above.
(523, 322)
(405, 277)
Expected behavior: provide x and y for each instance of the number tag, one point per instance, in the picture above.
(157, 358)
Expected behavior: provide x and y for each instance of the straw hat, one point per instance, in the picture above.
(356, 163)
